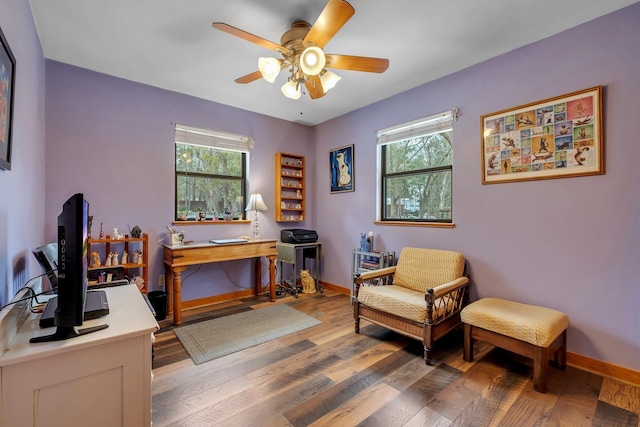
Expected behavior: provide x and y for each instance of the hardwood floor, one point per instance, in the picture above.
(328, 375)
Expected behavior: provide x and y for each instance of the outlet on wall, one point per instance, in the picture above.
(161, 280)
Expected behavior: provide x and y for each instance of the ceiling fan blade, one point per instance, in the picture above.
(251, 37)
(334, 15)
(314, 87)
(249, 77)
(357, 63)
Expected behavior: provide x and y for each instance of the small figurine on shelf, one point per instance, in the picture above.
(125, 257)
(140, 258)
(107, 263)
(365, 244)
(101, 232)
(96, 261)
(227, 213)
(136, 232)
(116, 235)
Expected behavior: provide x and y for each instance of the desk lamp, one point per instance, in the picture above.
(256, 204)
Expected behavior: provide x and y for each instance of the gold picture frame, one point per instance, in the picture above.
(558, 137)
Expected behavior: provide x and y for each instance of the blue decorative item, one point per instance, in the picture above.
(365, 244)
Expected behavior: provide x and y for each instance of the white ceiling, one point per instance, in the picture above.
(171, 44)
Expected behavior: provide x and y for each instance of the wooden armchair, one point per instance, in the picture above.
(421, 297)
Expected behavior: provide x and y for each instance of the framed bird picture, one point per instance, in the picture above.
(555, 138)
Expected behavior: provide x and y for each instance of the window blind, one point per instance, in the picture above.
(211, 138)
(436, 123)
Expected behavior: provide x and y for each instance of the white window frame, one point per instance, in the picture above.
(190, 135)
(436, 123)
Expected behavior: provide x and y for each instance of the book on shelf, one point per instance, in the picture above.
(370, 265)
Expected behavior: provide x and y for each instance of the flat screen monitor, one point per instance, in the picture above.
(73, 225)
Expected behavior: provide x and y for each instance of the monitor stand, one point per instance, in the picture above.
(66, 332)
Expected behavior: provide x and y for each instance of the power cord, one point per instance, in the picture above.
(33, 293)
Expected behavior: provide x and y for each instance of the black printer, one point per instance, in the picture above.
(298, 235)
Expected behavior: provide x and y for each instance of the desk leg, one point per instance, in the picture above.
(177, 294)
(168, 287)
(258, 276)
(272, 277)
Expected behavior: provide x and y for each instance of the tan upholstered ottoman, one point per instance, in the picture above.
(528, 330)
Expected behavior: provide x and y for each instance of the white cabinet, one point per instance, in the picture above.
(99, 379)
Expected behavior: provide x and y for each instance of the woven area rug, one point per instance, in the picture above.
(214, 338)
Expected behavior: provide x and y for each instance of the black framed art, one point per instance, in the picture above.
(7, 86)
(341, 166)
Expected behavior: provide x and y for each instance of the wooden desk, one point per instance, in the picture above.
(178, 258)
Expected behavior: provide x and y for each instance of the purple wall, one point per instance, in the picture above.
(112, 140)
(570, 244)
(22, 188)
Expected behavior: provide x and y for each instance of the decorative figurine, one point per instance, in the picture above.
(116, 235)
(365, 245)
(308, 284)
(125, 258)
(101, 232)
(107, 263)
(136, 232)
(97, 262)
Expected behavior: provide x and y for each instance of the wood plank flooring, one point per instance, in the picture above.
(329, 376)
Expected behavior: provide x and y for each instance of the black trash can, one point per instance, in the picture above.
(158, 300)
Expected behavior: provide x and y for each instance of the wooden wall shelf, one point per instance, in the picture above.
(290, 187)
(140, 243)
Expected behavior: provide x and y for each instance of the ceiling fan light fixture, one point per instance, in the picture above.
(291, 90)
(328, 79)
(312, 60)
(269, 68)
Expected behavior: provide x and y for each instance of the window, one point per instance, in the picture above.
(211, 174)
(415, 166)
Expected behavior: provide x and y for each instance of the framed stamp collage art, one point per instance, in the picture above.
(555, 138)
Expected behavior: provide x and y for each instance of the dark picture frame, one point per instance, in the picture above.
(341, 163)
(7, 88)
(558, 137)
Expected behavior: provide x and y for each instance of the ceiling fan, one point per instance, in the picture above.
(302, 53)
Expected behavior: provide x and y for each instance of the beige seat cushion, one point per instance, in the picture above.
(420, 269)
(536, 325)
(402, 302)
